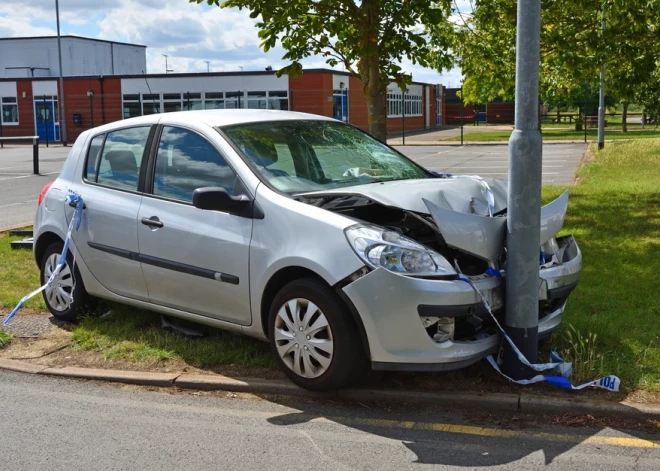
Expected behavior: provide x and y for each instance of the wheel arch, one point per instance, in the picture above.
(285, 276)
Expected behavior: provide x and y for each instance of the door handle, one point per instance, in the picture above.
(153, 221)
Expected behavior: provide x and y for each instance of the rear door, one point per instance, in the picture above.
(110, 187)
(193, 260)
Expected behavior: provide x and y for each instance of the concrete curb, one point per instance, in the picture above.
(527, 403)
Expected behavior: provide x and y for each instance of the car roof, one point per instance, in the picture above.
(215, 117)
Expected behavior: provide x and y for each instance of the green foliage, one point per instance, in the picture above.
(572, 45)
(369, 37)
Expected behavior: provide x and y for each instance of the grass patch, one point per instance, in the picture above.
(558, 134)
(5, 339)
(615, 217)
(132, 334)
(18, 275)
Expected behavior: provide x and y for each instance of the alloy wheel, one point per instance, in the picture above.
(60, 293)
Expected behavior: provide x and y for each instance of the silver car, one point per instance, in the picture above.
(296, 229)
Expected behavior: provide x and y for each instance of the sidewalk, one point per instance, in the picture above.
(433, 137)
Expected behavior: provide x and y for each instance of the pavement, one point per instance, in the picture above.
(50, 423)
(19, 188)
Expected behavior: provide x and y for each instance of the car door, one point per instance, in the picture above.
(107, 238)
(193, 260)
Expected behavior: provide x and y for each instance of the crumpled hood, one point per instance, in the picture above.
(455, 194)
(460, 208)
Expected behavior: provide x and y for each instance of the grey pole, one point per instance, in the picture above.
(601, 103)
(59, 53)
(524, 199)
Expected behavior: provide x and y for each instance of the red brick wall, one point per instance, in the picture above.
(25, 112)
(107, 106)
(452, 114)
(310, 93)
(358, 114)
(500, 112)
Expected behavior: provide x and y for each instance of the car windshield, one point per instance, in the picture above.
(298, 156)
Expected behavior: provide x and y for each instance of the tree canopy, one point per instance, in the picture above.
(572, 46)
(370, 38)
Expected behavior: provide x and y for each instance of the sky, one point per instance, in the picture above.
(188, 33)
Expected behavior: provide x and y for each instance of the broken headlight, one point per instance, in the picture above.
(379, 247)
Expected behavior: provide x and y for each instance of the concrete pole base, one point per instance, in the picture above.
(527, 340)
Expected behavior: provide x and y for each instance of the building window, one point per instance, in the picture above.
(257, 100)
(278, 100)
(214, 101)
(192, 101)
(395, 107)
(132, 106)
(150, 104)
(234, 100)
(171, 102)
(9, 110)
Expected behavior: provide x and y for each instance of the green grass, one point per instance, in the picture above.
(556, 134)
(18, 275)
(615, 217)
(132, 334)
(5, 339)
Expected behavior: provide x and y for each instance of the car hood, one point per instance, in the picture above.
(469, 211)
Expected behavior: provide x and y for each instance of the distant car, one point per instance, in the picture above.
(296, 229)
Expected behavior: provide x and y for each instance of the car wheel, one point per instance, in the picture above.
(313, 336)
(66, 297)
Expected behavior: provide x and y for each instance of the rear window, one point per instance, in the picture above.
(114, 159)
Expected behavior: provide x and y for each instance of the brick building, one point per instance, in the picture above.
(30, 105)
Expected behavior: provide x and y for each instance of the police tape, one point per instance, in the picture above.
(610, 383)
(72, 198)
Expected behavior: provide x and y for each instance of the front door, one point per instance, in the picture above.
(193, 260)
(107, 238)
(46, 119)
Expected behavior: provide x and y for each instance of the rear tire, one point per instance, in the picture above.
(314, 338)
(66, 298)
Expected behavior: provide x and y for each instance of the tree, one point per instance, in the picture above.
(572, 46)
(369, 37)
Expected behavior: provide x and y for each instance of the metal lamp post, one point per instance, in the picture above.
(601, 102)
(59, 54)
(524, 199)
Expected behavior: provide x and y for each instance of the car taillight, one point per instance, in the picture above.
(43, 192)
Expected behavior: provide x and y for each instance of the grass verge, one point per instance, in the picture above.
(5, 339)
(132, 334)
(615, 311)
(557, 134)
(18, 275)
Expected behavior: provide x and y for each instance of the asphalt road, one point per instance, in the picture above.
(52, 423)
(560, 161)
(19, 189)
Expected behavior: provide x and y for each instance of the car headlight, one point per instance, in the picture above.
(379, 247)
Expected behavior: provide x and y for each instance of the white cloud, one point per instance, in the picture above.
(189, 33)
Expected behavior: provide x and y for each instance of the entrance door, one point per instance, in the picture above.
(46, 119)
(340, 105)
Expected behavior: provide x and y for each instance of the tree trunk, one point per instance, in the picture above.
(375, 90)
(624, 117)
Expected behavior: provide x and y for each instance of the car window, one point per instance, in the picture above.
(93, 157)
(309, 155)
(186, 161)
(121, 158)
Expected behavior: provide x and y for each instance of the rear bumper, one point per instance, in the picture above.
(391, 306)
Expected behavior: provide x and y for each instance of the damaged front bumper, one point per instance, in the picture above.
(396, 311)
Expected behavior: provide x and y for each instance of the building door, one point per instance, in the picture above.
(340, 105)
(46, 119)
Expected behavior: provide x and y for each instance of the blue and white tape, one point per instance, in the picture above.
(72, 198)
(610, 383)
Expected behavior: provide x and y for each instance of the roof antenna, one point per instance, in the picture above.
(150, 92)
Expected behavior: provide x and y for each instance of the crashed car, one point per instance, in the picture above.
(296, 229)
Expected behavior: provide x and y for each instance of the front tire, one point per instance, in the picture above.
(66, 298)
(313, 337)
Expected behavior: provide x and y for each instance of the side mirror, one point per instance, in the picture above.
(217, 199)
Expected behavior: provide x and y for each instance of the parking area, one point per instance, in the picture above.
(560, 161)
(19, 188)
